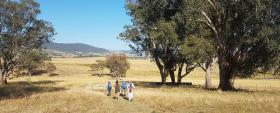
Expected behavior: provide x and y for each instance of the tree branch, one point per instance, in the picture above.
(202, 67)
(189, 69)
(209, 23)
(158, 63)
(212, 4)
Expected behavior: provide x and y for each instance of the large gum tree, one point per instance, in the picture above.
(164, 30)
(246, 34)
(20, 33)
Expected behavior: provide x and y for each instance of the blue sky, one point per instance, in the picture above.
(94, 22)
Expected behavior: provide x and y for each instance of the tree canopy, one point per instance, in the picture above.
(32, 60)
(164, 29)
(20, 33)
(246, 37)
(242, 34)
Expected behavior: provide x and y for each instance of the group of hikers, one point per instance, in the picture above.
(125, 89)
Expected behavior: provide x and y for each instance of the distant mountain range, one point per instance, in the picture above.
(79, 49)
(75, 48)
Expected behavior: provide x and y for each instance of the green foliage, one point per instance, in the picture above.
(18, 22)
(33, 60)
(161, 28)
(165, 34)
(197, 50)
(20, 33)
(246, 36)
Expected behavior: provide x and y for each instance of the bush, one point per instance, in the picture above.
(117, 64)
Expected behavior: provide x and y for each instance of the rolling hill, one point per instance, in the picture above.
(73, 49)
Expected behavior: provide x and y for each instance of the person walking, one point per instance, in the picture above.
(117, 90)
(123, 88)
(130, 91)
(109, 88)
(127, 89)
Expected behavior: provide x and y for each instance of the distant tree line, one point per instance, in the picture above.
(181, 35)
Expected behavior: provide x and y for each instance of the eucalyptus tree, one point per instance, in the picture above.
(20, 33)
(151, 23)
(246, 35)
(161, 28)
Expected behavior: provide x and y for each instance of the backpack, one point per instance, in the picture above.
(123, 85)
(131, 88)
(117, 88)
(109, 86)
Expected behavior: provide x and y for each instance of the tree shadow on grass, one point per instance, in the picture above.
(23, 89)
(39, 72)
(147, 84)
(239, 90)
(102, 75)
(42, 72)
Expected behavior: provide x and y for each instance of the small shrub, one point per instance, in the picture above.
(117, 64)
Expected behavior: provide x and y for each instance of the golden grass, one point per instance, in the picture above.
(74, 90)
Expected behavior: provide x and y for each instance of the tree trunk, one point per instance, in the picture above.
(208, 80)
(162, 70)
(3, 81)
(226, 76)
(179, 76)
(30, 73)
(163, 76)
(172, 76)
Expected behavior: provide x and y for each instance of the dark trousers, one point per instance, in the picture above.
(109, 92)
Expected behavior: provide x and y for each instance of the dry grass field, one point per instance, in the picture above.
(75, 90)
